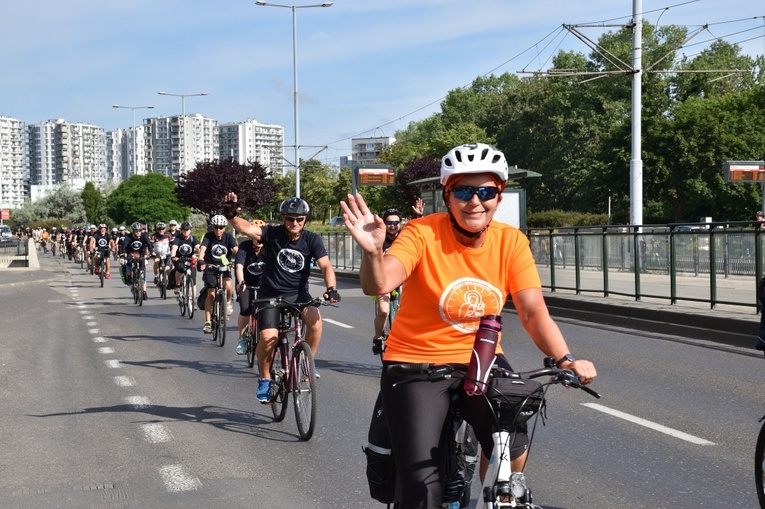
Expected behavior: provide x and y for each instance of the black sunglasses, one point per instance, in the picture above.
(292, 219)
(392, 223)
(466, 193)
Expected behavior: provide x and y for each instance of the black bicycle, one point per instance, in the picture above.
(378, 345)
(218, 314)
(186, 290)
(138, 275)
(99, 261)
(162, 277)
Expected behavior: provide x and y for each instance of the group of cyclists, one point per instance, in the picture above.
(453, 267)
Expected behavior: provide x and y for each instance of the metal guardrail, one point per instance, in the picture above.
(14, 253)
(704, 263)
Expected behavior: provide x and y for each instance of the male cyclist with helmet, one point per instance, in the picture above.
(249, 265)
(289, 249)
(137, 245)
(445, 261)
(184, 248)
(217, 245)
(172, 229)
(392, 220)
(102, 242)
(161, 241)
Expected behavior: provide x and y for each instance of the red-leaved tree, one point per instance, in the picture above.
(205, 187)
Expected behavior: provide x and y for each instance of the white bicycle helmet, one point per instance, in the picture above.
(473, 158)
(218, 220)
(172, 222)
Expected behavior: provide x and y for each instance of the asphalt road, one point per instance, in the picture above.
(107, 404)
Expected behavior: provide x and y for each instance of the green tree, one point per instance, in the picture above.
(91, 200)
(149, 198)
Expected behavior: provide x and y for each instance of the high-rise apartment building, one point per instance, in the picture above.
(65, 152)
(366, 150)
(12, 162)
(175, 144)
(126, 153)
(252, 141)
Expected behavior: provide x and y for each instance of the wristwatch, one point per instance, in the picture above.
(566, 358)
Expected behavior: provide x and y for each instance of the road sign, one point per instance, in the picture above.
(745, 171)
(5, 214)
(377, 176)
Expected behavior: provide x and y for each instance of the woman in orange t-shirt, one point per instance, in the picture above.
(455, 266)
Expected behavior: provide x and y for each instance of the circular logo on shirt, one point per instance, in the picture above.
(185, 250)
(136, 245)
(466, 300)
(255, 268)
(103, 243)
(218, 250)
(290, 260)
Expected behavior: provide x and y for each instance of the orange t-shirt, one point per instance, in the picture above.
(449, 287)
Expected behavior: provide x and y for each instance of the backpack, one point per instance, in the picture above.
(382, 475)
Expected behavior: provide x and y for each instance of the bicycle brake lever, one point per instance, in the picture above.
(440, 373)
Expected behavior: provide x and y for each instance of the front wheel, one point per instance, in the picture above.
(304, 390)
(279, 394)
(189, 297)
(759, 467)
(101, 270)
(219, 323)
(252, 341)
(183, 296)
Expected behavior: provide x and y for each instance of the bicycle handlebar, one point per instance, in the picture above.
(438, 372)
(280, 302)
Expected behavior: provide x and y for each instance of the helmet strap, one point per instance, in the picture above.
(462, 231)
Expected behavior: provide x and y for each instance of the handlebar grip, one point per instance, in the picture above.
(590, 391)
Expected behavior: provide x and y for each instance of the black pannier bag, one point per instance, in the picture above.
(382, 474)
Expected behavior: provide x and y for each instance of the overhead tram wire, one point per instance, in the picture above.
(559, 29)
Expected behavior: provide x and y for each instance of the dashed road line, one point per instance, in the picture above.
(339, 324)
(139, 402)
(649, 424)
(106, 350)
(178, 478)
(113, 363)
(123, 381)
(156, 433)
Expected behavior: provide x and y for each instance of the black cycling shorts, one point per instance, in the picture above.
(268, 316)
(245, 301)
(210, 277)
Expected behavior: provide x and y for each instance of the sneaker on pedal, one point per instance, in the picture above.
(230, 309)
(241, 346)
(264, 391)
(145, 296)
(207, 328)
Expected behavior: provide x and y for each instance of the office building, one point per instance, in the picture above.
(366, 150)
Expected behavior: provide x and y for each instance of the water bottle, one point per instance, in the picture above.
(483, 356)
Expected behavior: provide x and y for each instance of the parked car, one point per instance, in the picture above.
(337, 221)
(5, 232)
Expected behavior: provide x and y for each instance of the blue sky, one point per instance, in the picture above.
(365, 68)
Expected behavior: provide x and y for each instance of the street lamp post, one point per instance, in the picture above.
(294, 9)
(183, 117)
(135, 145)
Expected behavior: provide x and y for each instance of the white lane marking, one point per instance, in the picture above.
(113, 363)
(99, 339)
(88, 317)
(155, 433)
(138, 401)
(177, 478)
(339, 324)
(90, 324)
(93, 331)
(106, 350)
(83, 311)
(649, 424)
(123, 381)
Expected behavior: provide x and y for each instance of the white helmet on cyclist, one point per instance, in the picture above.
(123, 228)
(473, 158)
(218, 220)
